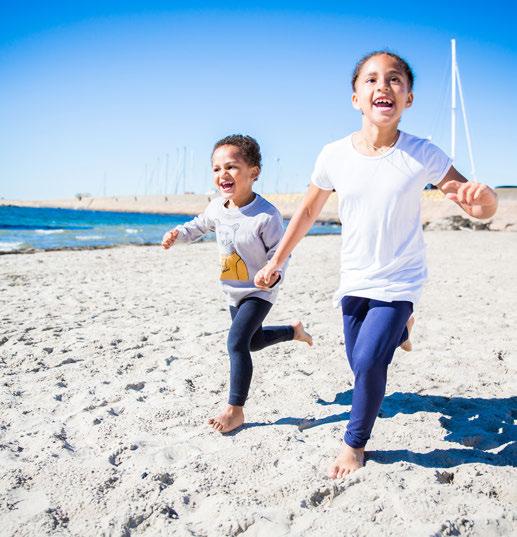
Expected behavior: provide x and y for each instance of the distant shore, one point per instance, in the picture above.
(437, 212)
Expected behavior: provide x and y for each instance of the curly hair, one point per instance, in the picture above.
(248, 147)
(403, 64)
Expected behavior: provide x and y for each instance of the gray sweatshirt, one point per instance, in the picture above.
(247, 238)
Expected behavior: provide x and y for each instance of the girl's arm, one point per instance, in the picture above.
(300, 223)
(271, 234)
(476, 199)
(188, 232)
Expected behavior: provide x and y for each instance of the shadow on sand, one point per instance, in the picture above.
(476, 423)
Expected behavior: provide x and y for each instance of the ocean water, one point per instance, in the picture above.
(26, 228)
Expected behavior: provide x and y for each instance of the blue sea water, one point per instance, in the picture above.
(26, 228)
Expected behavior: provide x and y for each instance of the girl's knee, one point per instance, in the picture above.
(369, 366)
(236, 344)
(256, 343)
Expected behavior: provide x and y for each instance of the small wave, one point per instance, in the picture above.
(12, 246)
(40, 227)
(132, 230)
(89, 237)
(49, 231)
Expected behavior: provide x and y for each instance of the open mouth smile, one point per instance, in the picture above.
(226, 186)
(383, 103)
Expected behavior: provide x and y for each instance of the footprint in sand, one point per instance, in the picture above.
(121, 455)
(137, 386)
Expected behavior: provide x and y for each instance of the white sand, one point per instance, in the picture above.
(111, 361)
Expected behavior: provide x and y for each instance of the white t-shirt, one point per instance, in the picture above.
(383, 251)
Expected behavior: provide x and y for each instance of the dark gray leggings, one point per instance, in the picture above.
(247, 334)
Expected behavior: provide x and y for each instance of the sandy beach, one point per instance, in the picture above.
(111, 361)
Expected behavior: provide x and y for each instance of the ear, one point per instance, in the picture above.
(255, 173)
(355, 101)
(409, 100)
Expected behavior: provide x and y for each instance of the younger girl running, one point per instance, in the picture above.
(248, 229)
(378, 173)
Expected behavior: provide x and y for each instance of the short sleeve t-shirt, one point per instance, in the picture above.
(383, 251)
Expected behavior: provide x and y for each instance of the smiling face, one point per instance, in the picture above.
(382, 91)
(233, 176)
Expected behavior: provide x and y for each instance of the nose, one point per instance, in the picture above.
(382, 84)
(220, 175)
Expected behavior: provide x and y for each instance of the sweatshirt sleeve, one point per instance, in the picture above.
(196, 228)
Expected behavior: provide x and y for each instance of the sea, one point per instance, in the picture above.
(26, 229)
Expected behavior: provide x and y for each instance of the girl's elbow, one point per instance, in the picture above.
(310, 213)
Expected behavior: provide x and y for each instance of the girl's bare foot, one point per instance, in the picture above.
(407, 345)
(300, 334)
(349, 460)
(230, 419)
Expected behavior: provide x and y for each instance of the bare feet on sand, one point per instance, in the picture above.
(407, 345)
(300, 334)
(349, 460)
(229, 420)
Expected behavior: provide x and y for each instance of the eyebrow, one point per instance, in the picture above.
(393, 71)
(229, 162)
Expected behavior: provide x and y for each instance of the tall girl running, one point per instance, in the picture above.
(248, 229)
(379, 173)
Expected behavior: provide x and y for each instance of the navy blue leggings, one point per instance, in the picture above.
(373, 330)
(247, 334)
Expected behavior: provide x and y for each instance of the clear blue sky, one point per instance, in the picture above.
(92, 93)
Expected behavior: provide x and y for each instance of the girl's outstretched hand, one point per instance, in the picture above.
(476, 199)
(170, 238)
(470, 193)
(267, 276)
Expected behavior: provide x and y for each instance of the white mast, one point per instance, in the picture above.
(455, 78)
(166, 173)
(467, 130)
(184, 169)
(277, 175)
(191, 170)
(177, 174)
(453, 99)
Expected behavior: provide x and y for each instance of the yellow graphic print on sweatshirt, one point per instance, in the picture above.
(233, 266)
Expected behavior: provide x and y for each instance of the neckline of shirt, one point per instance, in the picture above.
(244, 208)
(373, 157)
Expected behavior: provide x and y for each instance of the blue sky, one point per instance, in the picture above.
(94, 95)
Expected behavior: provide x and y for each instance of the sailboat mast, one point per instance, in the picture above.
(166, 173)
(453, 99)
(465, 122)
(456, 80)
(184, 169)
